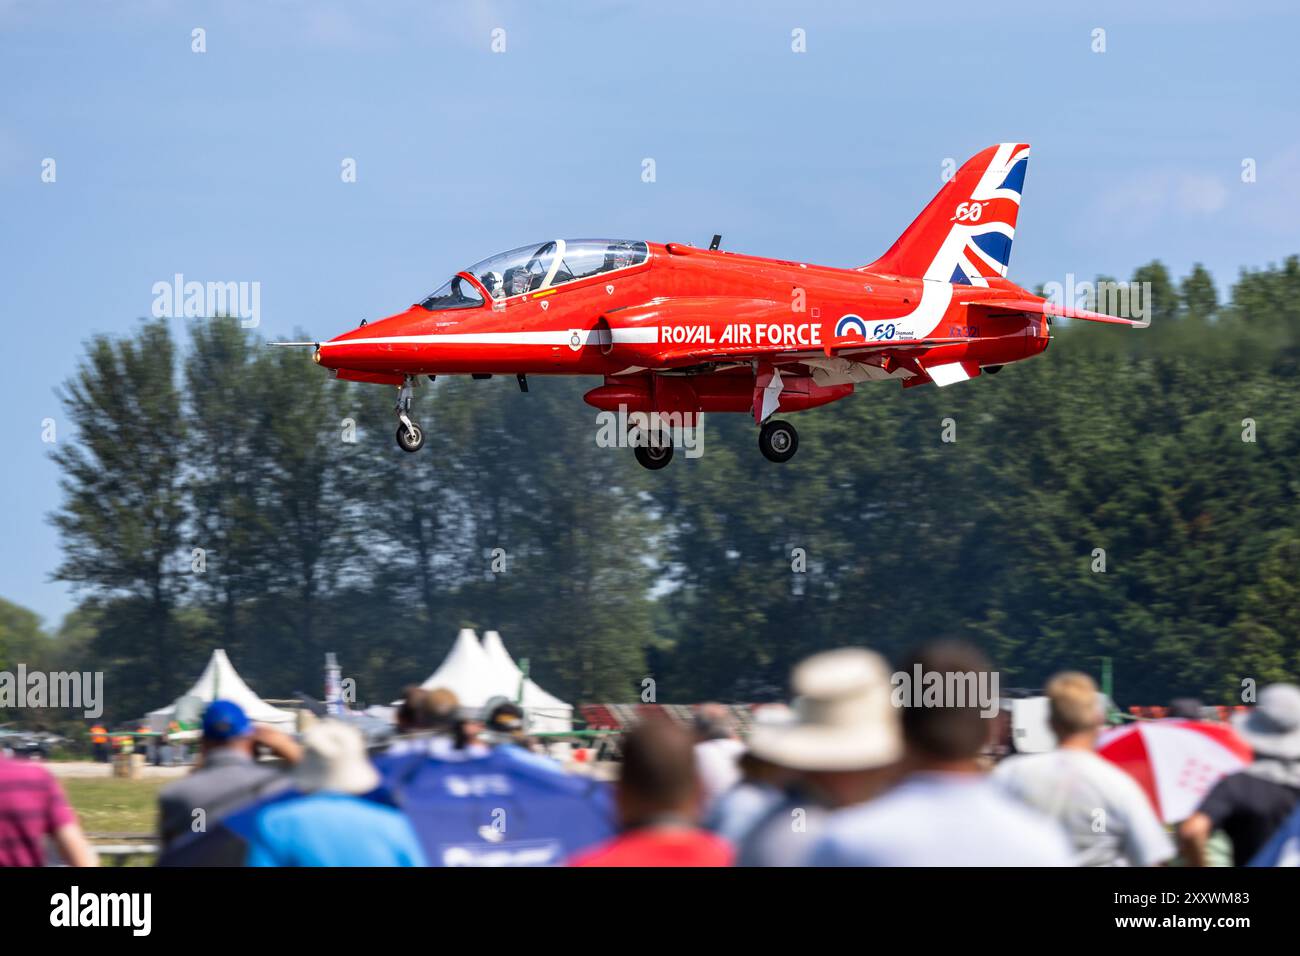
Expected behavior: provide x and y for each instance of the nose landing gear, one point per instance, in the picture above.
(410, 436)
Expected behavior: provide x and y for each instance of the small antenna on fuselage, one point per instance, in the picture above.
(717, 241)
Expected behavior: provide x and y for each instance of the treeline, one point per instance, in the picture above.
(233, 495)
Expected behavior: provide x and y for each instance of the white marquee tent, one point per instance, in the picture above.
(546, 712)
(476, 673)
(221, 681)
(466, 672)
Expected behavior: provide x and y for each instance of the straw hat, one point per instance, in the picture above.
(844, 717)
(334, 759)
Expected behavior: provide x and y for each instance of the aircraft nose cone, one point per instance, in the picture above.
(336, 352)
(374, 346)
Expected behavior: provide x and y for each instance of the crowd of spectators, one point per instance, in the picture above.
(843, 775)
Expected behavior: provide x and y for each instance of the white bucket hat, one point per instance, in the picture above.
(334, 758)
(844, 717)
(1272, 726)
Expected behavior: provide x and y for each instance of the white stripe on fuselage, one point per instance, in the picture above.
(637, 336)
(929, 312)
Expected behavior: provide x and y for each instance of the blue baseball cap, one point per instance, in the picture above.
(225, 720)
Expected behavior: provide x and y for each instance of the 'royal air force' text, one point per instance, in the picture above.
(806, 334)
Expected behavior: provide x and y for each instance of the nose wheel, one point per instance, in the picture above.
(410, 436)
(778, 441)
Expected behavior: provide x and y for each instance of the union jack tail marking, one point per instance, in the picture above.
(964, 235)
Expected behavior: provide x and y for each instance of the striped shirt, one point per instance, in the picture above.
(32, 807)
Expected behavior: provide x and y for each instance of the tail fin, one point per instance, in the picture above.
(964, 235)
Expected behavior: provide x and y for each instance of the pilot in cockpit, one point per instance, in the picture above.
(492, 282)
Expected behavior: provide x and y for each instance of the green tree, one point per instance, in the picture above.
(227, 473)
(1200, 298)
(124, 508)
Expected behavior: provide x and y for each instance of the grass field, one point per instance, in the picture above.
(114, 805)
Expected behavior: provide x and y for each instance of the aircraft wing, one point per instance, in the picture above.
(1043, 307)
(849, 345)
(783, 355)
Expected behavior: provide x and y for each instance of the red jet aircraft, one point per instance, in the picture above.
(677, 329)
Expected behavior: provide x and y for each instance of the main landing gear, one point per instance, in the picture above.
(653, 450)
(778, 441)
(410, 436)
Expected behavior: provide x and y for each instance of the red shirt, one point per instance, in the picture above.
(659, 846)
(32, 806)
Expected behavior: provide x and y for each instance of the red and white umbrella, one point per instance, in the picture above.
(1175, 761)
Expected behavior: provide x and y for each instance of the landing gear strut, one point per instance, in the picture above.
(410, 436)
(778, 441)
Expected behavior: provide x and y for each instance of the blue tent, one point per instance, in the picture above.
(505, 808)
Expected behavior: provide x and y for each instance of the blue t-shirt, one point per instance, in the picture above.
(332, 829)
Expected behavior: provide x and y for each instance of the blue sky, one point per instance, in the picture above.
(225, 165)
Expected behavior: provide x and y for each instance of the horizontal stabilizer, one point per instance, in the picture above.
(1043, 307)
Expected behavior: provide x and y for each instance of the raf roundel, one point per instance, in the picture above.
(848, 322)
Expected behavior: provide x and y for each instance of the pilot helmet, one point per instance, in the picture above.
(492, 282)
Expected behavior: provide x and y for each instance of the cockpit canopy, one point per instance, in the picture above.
(538, 266)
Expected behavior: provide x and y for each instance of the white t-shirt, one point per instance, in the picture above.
(716, 764)
(942, 819)
(1108, 818)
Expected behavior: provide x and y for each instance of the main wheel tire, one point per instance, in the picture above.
(410, 439)
(655, 453)
(778, 441)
